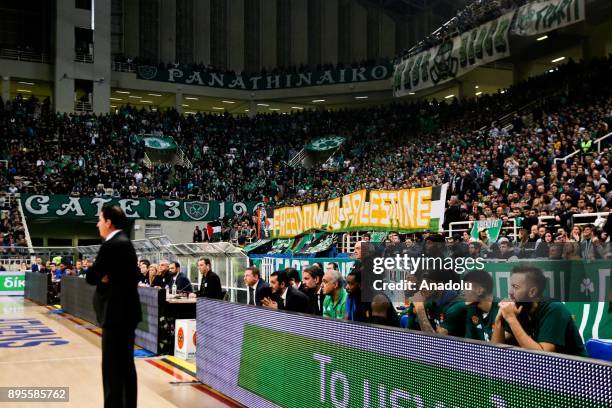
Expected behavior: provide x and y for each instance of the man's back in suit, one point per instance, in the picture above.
(116, 302)
(296, 301)
(210, 287)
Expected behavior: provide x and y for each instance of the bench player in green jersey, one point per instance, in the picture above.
(482, 307)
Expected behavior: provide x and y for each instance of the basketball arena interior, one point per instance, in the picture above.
(306, 203)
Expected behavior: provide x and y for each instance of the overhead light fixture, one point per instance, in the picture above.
(318, 100)
(274, 109)
(25, 83)
(476, 87)
(228, 101)
(191, 98)
(185, 105)
(151, 94)
(558, 59)
(154, 109)
(135, 97)
(478, 93)
(24, 90)
(122, 92)
(262, 104)
(146, 101)
(503, 92)
(542, 38)
(246, 110)
(296, 107)
(449, 96)
(115, 99)
(551, 70)
(113, 106)
(361, 97)
(411, 93)
(217, 108)
(190, 113)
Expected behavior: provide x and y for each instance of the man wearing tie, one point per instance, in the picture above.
(117, 304)
(254, 285)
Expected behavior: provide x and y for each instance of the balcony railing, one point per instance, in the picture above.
(29, 56)
(84, 57)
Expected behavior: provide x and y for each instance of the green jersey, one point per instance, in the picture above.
(449, 313)
(552, 322)
(335, 310)
(479, 325)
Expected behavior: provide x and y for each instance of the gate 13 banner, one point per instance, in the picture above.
(454, 57)
(407, 210)
(66, 207)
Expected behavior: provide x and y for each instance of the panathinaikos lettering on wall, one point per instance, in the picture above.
(191, 76)
(66, 207)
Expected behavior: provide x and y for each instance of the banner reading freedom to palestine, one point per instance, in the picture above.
(541, 17)
(189, 76)
(407, 210)
(62, 206)
(454, 58)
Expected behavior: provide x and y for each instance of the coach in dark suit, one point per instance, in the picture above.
(256, 287)
(116, 276)
(286, 297)
(210, 285)
(183, 284)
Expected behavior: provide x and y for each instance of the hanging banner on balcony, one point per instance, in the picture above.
(191, 76)
(66, 207)
(407, 210)
(454, 57)
(543, 16)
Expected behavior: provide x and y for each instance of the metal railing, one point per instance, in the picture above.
(298, 158)
(123, 66)
(598, 142)
(84, 57)
(29, 56)
(80, 106)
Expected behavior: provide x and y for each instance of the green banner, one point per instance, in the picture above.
(541, 17)
(279, 263)
(66, 207)
(336, 375)
(190, 76)
(325, 144)
(12, 283)
(492, 227)
(454, 57)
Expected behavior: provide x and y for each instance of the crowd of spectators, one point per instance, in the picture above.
(505, 173)
(12, 231)
(475, 14)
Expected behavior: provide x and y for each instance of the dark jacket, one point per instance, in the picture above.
(295, 301)
(262, 290)
(116, 302)
(210, 287)
(315, 303)
(182, 282)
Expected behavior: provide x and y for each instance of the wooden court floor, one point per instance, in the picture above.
(42, 347)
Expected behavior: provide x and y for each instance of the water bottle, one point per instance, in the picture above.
(174, 289)
(167, 291)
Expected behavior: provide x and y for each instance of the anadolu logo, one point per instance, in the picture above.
(181, 338)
